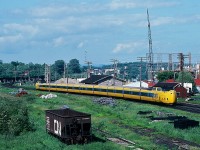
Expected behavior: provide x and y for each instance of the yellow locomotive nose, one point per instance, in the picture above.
(171, 97)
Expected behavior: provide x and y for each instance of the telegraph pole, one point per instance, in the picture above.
(141, 59)
(64, 70)
(115, 61)
(89, 68)
(181, 61)
(88, 64)
(47, 73)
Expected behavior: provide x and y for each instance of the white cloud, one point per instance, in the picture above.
(60, 41)
(80, 45)
(20, 28)
(162, 21)
(128, 4)
(129, 47)
(10, 39)
(67, 9)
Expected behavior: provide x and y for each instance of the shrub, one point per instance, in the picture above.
(14, 117)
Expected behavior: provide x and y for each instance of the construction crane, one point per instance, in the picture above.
(150, 54)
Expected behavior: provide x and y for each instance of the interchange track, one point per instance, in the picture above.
(194, 108)
(115, 139)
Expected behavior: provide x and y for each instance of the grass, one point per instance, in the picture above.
(107, 118)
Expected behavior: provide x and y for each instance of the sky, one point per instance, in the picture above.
(43, 31)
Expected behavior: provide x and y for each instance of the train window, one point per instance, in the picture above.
(126, 92)
(52, 86)
(76, 88)
(110, 91)
(43, 85)
(144, 94)
(47, 86)
(154, 88)
(81, 88)
(103, 90)
(96, 89)
(134, 93)
(89, 89)
(118, 91)
(151, 94)
(69, 87)
(155, 95)
(63, 87)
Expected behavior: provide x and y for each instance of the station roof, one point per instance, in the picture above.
(97, 79)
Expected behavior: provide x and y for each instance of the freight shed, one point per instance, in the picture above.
(69, 125)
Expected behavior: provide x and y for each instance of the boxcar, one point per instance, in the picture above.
(69, 125)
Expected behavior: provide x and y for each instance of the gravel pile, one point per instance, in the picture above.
(105, 101)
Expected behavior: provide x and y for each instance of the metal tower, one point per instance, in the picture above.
(170, 62)
(150, 55)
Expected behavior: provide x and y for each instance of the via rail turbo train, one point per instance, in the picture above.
(154, 95)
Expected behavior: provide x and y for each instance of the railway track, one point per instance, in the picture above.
(115, 139)
(194, 108)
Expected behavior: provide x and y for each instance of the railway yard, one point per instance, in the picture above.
(116, 123)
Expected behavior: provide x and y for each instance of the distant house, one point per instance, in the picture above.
(180, 90)
(188, 86)
(197, 82)
(150, 83)
(103, 80)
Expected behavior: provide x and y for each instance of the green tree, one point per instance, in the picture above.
(15, 64)
(74, 66)
(59, 66)
(163, 76)
(185, 77)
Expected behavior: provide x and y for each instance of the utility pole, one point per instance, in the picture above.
(88, 64)
(64, 70)
(125, 73)
(181, 64)
(47, 73)
(67, 73)
(150, 56)
(89, 68)
(141, 59)
(115, 61)
(190, 61)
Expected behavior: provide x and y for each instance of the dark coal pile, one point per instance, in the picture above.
(180, 122)
(144, 112)
(171, 118)
(105, 101)
(185, 123)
